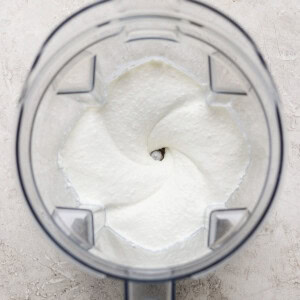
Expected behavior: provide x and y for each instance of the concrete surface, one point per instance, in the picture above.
(267, 268)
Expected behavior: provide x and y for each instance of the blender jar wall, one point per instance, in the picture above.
(112, 33)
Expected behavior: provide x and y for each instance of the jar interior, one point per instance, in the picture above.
(80, 82)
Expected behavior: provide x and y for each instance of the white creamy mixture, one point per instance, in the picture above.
(149, 202)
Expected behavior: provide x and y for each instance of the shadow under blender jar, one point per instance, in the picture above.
(72, 73)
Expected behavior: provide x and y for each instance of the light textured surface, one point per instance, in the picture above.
(267, 268)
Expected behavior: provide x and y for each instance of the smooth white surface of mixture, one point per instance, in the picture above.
(155, 203)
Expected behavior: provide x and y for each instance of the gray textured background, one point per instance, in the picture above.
(267, 268)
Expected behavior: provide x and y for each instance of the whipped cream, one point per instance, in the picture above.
(108, 156)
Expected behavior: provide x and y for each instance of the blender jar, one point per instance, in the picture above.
(71, 73)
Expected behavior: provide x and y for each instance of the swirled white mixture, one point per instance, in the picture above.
(151, 203)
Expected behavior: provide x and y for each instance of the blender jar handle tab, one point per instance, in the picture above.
(150, 290)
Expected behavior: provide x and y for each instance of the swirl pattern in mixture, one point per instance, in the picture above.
(154, 203)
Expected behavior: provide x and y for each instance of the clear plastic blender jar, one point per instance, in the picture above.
(71, 73)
